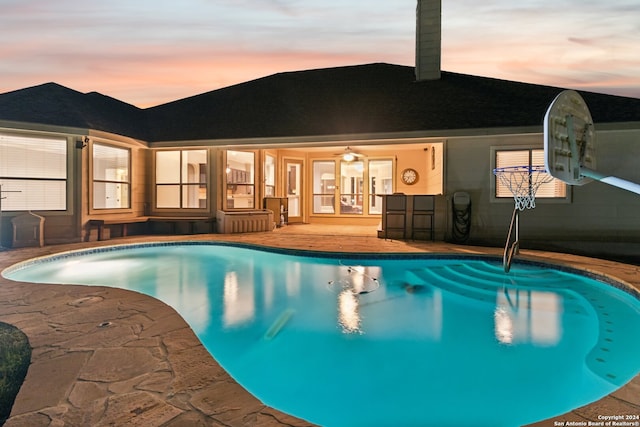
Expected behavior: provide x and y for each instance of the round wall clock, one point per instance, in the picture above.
(409, 176)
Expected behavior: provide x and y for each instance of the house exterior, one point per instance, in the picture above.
(77, 158)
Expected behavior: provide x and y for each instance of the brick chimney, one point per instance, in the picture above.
(428, 39)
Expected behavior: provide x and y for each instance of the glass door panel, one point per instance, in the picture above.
(380, 182)
(293, 178)
(324, 187)
(351, 187)
(269, 176)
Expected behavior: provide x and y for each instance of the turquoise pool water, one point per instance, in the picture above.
(406, 340)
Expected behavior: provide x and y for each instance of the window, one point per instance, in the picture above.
(240, 174)
(181, 179)
(110, 177)
(324, 187)
(503, 158)
(380, 182)
(269, 176)
(351, 188)
(33, 173)
(378, 175)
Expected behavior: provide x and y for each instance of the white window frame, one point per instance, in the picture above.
(270, 175)
(494, 198)
(234, 178)
(317, 197)
(366, 194)
(127, 182)
(21, 181)
(203, 182)
(353, 187)
(371, 195)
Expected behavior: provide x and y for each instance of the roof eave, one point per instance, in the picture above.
(341, 139)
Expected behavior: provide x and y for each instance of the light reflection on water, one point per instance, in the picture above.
(239, 301)
(531, 316)
(348, 316)
(399, 337)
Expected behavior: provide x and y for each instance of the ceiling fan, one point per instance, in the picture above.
(349, 155)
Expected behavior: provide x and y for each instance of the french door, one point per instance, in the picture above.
(294, 185)
(358, 189)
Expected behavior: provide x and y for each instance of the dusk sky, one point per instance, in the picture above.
(148, 52)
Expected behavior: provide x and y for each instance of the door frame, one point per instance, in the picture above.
(301, 187)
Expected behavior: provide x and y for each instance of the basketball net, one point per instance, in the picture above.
(523, 181)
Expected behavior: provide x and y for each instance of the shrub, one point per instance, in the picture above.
(15, 357)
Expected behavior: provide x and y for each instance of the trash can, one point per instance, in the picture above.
(461, 204)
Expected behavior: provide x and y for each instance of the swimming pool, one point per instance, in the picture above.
(344, 339)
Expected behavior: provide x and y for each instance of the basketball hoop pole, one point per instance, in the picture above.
(611, 180)
(577, 159)
(512, 248)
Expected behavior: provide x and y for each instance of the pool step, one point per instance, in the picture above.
(485, 286)
(482, 281)
(521, 274)
(493, 276)
(437, 277)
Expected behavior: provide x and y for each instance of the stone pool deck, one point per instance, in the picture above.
(112, 357)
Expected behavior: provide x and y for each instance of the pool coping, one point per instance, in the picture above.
(592, 274)
(176, 382)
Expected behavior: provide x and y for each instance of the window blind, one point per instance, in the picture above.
(34, 169)
(505, 158)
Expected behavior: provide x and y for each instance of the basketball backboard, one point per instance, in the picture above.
(570, 144)
(569, 138)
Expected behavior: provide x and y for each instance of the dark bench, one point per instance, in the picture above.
(100, 224)
(124, 221)
(192, 220)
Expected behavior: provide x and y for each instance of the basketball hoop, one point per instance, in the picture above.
(523, 181)
(570, 144)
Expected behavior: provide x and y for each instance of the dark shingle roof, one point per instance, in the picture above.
(372, 98)
(53, 104)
